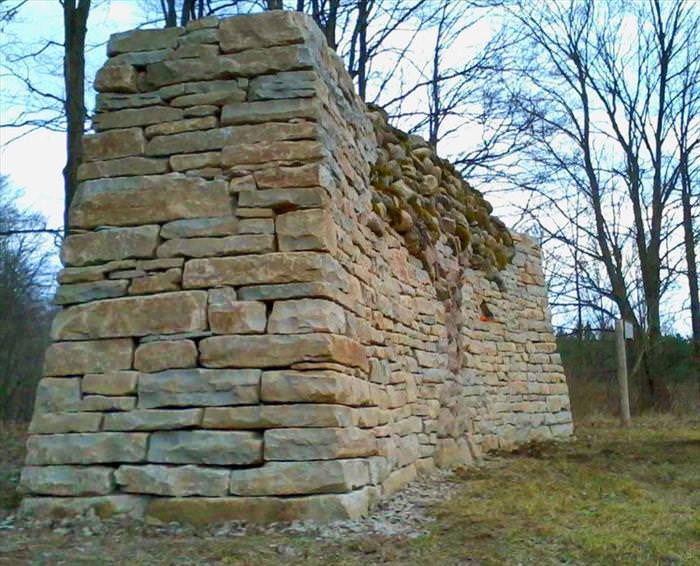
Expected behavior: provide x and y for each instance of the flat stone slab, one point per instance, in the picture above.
(220, 448)
(86, 448)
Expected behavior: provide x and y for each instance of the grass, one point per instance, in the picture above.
(611, 496)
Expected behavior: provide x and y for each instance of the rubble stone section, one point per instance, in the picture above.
(250, 327)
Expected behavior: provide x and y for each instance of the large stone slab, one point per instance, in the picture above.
(113, 144)
(283, 200)
(220, 448)
(306, 230)
(207, 510)
(261, 30)
(124, 167)
(257, 269)
(128, 201)
(229, 316)
(173, 480)
(153, 419)
(306, 315)
(111, 383)
(295, 84)
(268, 111)
(200, 227)
(55, 423)
(277, 416)
(86, 448)
(211, 247)
(131, 117)
(117, 79)
(165, 354)
(167, 313)
(93, 291)
(143, 40)
(289, 386)
(293, 444)
(104, 506)
(95, 356)
(199, 387)
(108, 245)
(56, 395)
(300, 478)
(67, 480)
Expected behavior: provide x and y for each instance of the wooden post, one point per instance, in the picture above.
(625, 418)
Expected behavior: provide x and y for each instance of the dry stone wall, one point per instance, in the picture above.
(246, 333)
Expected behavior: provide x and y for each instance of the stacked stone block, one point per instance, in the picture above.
(241, 336)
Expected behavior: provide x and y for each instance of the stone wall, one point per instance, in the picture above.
(247, 333)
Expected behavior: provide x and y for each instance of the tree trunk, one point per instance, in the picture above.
(75, 28)
(362, 56)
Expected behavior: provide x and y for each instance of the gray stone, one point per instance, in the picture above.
(318, 443)
(107, 245)
(173, 480)
(154, 419)
(110, 101)
(211, 247)
(201, 387)
(296, 84)
(220, 448)
(256, 226)
(84, 292)
(104, 506)
(107, 403)
(54, 423)
(306, 315)
(56, 395)
(86, 448)
(67, 480)
(136, 117)
(287, 291)
(139, 58)
(143, 40)
(217, 97)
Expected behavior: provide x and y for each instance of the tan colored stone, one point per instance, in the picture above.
(284, 151)
(288, 386)
(127, 201)
(84, 292)
(284, 199)
(269, 111)
(210, 247)
(111, 383)
(131, 117)
(117, 78)
(143, 40)
(287, 177)
(306, 315)
(107, 403)
(107, 245)
(168, 313)
(152, 419)
(56, 395)
(86, 448)
(276, 350)
(93, 273)
(77, 358)
(173, 480)
(104, 506)
(170, 280)
(277, 416)
(54, 423)
(218, 98)
(139, 59)
(295, 84)
(195, 161)
(113, 144)
(105, 101)
(306, 230)
(165, 354)
(125, 167)
(262, 30)
(220, 448)
(293, 444)
(235, 317)
(199, 387)
(256, 226)
(67, 480)
(398, 479)
(187, 125)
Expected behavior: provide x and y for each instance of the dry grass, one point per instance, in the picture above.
(611, 496)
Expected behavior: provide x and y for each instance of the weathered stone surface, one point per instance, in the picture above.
(107, 403)
(275, 351)
(287, 291)
(113, 144)
(94, 272)
(168, 313)
(318, 443)
(277, 416)
(104, 506)
(110, 383)
(289, 386)
(117, 78)
(195, 161)
(267, 268)
(286, 177)
(139, 58)
(194, 51)
(55, 395)
(86, 448)
(398, 479)
(284, 199)
(143, 40)
(84, 292)
(300, 478)
(201, 511)
(306, 315)
(216, 97)
(182, 89)
(200, 387)
(228, 316)
(153, 419)
(220, 448)
(170, 280)
(268, 111)
(264, 152)
(131, 117)
(113, 101)
(107, 245)
(67, 480)
(248, 32)
(54, 423)
(210, 247)
(256, 226)
(306, 230)
(165, 354)
(296, 84)
(169, 480)
(125, 201)
(186, 125)
(125, 167)
(199, 227)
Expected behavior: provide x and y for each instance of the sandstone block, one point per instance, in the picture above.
(170, 280)
(104, 506)
(54, 423)
(306, 315)
(287, 291)
(67, 480)
(124, 201)
(111, 383)
(306, 230)
(277, 416)
(195, 161)
(107, 245)
(165, 354)
(124, 167)
(287, 177)
(199, 227)
(211, 247)
(256, 226)
(117, 78)
(114, 101)
(143, 40)
(300, 478)
(139, 59)
(264, 152)
(154, 419)
(398, 479)
(284, 199)
(169, 313)
(293, 444)
(86, 448)
(235, 317)
(272, 28)
(56, 395)
(131, 117)
(295, 84)
(107, 403)
(276, 351)
(268, 111)
(169, 480)
(201, 387)
(186, 125)
(220, 448)
(113, 144)
(216, 97)
(76, 358)
(85, 292)
(288, 386)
